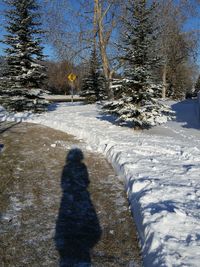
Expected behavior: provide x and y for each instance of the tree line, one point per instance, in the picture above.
(100, 23)
(146, 45)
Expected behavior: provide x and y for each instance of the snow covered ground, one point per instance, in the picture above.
(161, 168)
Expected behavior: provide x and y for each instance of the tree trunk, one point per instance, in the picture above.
(164, 80)
(102, 43)
(110, 90)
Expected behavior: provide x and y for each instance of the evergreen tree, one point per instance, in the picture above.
(197, 85)
(137, 103)
(2, 65)
(24, 71)
(94, 83)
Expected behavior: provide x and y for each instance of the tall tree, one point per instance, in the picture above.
(106, 20)
(92, 18)
(197, 85)
(24, 50)
(176, 45)
(137, 104)
(94, 83)
(2, 65)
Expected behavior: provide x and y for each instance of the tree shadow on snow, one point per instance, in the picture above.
(5, 126)
(114, 120)
(55, 105)
(188, 112)
(158, 207)
(107, 117)
(77, 226)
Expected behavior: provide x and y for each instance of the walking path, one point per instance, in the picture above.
(161, 170)
(33, 205)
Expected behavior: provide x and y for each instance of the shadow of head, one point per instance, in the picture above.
(75, 155)
(1, 147)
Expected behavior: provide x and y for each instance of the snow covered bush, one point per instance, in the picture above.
(145, 114)
(20, 100)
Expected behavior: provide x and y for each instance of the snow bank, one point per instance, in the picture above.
(161, 177)
(62, 97)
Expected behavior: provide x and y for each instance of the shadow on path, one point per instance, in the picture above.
(77, 226)
(5, 126)
(188, 112)
(54, 105)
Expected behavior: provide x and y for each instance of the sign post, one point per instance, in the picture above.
(72, 77)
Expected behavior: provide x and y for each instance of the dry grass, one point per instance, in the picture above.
(30, 170)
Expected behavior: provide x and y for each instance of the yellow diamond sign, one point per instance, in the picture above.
(71, 77)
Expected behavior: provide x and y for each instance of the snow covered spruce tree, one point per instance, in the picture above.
(137, 99)
(197, 85)
(94, 83)
(24, 74)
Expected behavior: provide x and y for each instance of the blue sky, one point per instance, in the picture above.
(194, 23)
(48, 50)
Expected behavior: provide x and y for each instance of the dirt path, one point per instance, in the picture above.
(32, 158)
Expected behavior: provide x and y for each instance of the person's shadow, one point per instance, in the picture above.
(77, 226)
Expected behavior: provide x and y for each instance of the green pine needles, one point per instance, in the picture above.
(136, 101)
(24, 71)
(94, 83)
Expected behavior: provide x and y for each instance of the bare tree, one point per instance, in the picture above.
(104, 32)
(74, 29)
(61, 31)
(177, 45)
(105, 16)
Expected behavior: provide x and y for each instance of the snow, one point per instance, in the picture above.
(161, 168)
(198, 99)
(62, 97)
